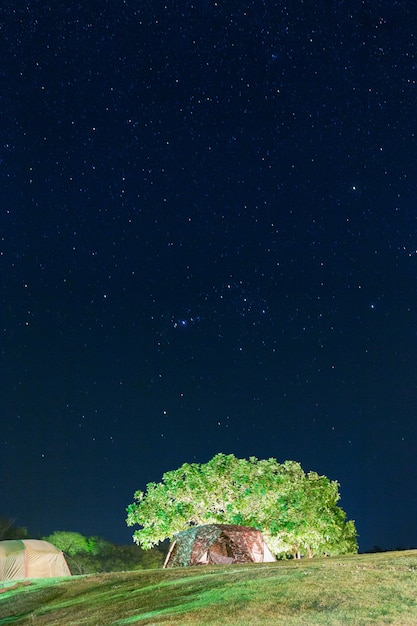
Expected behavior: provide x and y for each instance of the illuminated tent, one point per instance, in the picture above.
(219, 544)
(30, 558)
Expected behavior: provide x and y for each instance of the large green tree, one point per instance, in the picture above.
(297, 512)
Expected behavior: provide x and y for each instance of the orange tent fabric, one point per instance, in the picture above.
(31, 558)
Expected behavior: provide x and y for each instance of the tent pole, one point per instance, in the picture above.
(169, 554)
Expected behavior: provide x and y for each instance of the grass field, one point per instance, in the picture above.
(357, 590)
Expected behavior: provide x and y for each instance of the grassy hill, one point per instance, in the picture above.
(358, 590)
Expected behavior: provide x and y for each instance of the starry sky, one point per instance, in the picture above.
(208, 243)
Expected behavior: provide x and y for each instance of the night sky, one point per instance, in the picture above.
(208, 243)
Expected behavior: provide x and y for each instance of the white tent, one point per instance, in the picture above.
(31, 558)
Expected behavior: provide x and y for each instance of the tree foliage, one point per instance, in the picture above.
(87, 555)
(8, 530)
(70, 543)
(297, 512)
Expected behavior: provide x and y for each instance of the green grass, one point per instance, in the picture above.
(357, 590)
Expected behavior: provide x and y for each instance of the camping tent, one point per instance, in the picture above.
(218, 544)
(30, 558)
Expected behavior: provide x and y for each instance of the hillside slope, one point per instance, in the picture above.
(357, 590)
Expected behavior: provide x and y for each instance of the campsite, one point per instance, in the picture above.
(357, 590)
(214, 573)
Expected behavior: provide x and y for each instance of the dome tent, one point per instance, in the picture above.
(219, 544)
(31, 558)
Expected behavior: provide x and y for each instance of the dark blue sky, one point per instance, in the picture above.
(208, 244)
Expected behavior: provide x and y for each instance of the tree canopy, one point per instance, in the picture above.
(8, 530)
(296, 511)
(71, 543)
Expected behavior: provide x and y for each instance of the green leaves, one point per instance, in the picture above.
(297, 511)
(69, 542)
